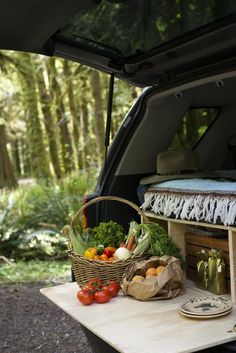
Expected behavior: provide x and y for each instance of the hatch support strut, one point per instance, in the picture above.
(109, 113)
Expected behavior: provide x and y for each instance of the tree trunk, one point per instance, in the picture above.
(16, 157)
(62, 121)
(72, 106)
(39, 162)
(98, 113)
(24, 157)
(7, 178)
(50, 127)
(85, 130)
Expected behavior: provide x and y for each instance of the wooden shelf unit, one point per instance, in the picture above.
(177, 228)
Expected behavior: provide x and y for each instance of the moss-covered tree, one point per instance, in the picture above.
(48, 118)
(39, 161)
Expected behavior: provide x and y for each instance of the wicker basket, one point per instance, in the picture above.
(85, 269)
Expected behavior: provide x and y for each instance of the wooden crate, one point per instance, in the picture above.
(195, 243)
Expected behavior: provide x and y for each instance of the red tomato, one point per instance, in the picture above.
(112, 290)
(111, 248)
(115, 284)
(105, 289)
(89, 288)
(96, 283)
(108, 253)
(85, 297)
(102, 296)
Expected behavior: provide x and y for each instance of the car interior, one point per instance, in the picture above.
(164, 115)
(162, 118)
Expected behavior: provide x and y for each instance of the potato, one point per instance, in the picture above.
(137, 278)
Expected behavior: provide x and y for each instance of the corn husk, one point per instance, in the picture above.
(77, 242)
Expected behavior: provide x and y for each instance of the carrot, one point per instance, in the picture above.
(131, 242)
(134, 246)
(122, 245)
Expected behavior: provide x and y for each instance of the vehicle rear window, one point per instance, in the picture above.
(133, 27)
(194, 125)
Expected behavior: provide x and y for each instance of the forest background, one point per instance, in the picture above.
(52, 125)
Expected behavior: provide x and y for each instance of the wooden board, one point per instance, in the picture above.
(132, 326)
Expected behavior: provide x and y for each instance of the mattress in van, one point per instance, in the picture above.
(205, 200)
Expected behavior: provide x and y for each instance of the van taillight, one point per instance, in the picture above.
(84, 214)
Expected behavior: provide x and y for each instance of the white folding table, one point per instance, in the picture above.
(127, 325)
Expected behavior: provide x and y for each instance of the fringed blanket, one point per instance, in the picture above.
(204, 200)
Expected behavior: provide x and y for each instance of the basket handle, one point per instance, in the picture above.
(111, 198)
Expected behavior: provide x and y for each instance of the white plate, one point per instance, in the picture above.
(206, 306)
(213, 316)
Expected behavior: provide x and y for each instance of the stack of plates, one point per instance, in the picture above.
(206, 307)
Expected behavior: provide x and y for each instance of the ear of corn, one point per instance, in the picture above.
(78, 244)
(143, 240)
(142, 246)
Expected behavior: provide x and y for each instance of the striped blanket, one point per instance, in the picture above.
(207, 200)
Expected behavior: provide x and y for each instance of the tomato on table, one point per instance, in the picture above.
(112, 289)
(85, 297)
(102, 296)
(96, 282)
(115, 285)
(90, 288)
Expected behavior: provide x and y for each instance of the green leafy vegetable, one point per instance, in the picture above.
(157, 242)
(107, 233)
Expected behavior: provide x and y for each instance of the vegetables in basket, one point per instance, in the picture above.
(100, 253)
(108, 242)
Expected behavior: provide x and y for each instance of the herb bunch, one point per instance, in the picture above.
(162, 244)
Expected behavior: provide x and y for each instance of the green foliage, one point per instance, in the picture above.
(40, 244)
(50, 115)
(157, 242)
(107, 233)
(32, 216)
(36, 270)
(194, 124)
(161, 243)
(108, 23)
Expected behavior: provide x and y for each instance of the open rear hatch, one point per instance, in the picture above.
(145, 41)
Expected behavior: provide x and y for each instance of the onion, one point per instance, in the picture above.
(122, 254)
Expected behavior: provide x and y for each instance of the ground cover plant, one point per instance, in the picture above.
(35, 271)
(33, 215)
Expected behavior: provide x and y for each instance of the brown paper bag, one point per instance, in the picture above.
(168, 284)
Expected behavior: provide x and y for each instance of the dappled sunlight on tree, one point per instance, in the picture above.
(54, 114)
